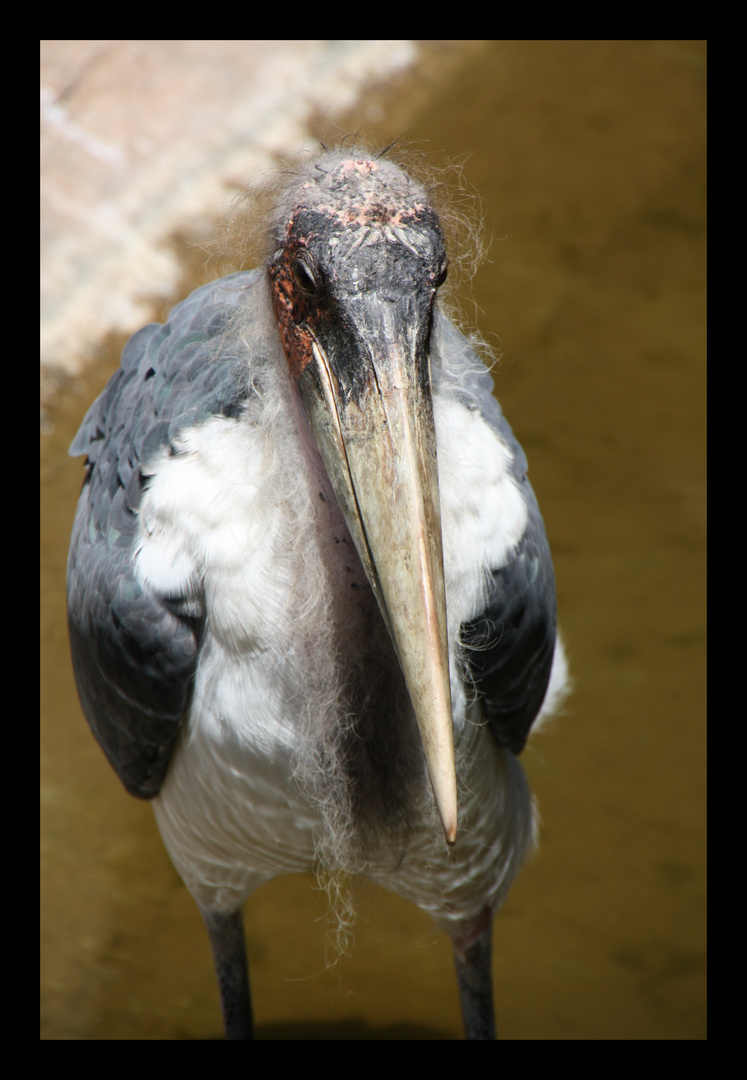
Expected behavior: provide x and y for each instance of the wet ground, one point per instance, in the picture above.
(590, 159)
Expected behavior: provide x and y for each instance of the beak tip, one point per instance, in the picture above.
(450, 832)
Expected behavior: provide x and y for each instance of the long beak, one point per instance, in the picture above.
(378, 445)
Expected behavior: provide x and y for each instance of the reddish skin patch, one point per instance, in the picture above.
(291, 307)
(359, 165)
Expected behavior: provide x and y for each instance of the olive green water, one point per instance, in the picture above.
(590, 157)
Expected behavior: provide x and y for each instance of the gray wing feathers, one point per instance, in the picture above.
(135, 653)
(507, 650)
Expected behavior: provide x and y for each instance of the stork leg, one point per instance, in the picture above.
(229, 956)
(476, 985)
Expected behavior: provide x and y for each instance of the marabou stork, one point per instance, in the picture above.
(311, 600)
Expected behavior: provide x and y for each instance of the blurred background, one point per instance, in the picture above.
(589, 157)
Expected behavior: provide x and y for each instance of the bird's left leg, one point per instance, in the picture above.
(229, 956)
(473, 968)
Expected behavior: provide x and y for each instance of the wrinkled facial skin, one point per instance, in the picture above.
(359, 246)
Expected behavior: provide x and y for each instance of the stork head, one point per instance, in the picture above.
(359, 257)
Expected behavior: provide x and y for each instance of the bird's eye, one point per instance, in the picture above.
(305, 277)
(442, 276)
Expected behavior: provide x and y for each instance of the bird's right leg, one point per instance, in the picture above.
(229, 956)
(473, 967)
